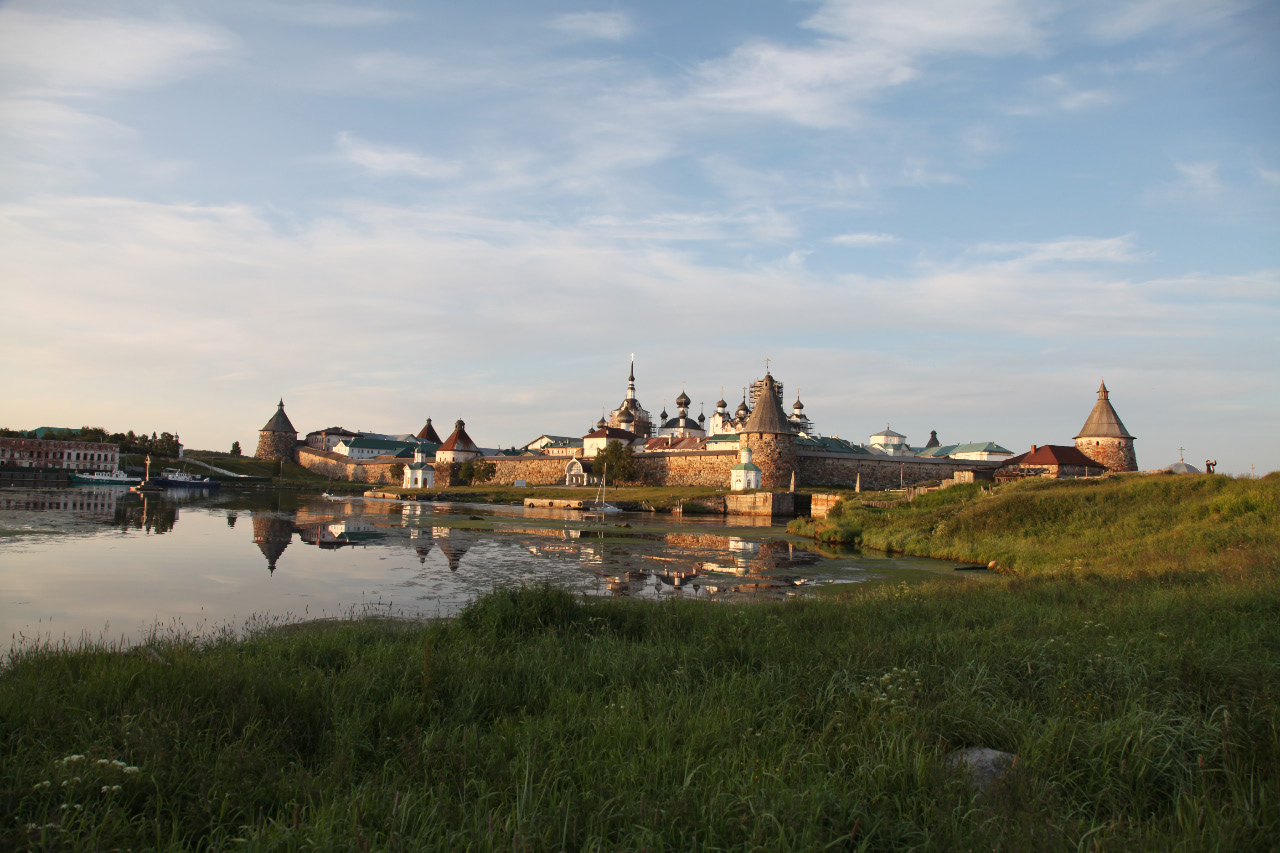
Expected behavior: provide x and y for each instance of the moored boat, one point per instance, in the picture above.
(106, 478)
(172, 477)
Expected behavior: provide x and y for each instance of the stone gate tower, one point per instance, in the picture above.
(1104, 439)
(278, 439)
(769, 437)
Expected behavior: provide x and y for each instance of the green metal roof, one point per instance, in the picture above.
(745, 466)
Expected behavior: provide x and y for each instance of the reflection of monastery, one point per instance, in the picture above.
(758, 444)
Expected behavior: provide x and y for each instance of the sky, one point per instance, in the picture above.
(924, 214)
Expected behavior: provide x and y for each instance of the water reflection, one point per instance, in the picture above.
(334, 557)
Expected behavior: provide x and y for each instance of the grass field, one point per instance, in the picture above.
(1139, 697)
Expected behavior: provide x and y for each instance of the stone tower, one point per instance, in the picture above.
(272, 534)
(1104, 439)
(278, 438)
(769, 438)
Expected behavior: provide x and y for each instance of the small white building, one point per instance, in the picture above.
(421, 472)
(746, 474)
(890, 443)
(594, 442)
(458, 447)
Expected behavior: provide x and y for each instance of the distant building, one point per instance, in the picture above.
(979, 450)
(746, 474)
(594, 442)
(1104, 439)
(889, 443)
(1057, 461)
(72, 456)
(328, 439)
(681, 426)
(367, 448)
(428, 433)
(277, 439)
(630, 415)
(421, 472)
(458, 447)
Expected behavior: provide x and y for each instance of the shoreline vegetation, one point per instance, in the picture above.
(1130, 658)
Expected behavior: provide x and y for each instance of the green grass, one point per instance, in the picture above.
(1117, 524)
(1143, 710)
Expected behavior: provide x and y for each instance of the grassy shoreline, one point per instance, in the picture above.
(1141, 699)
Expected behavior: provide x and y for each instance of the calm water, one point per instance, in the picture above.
(102, 562)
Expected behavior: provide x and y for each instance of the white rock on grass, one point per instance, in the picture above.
(982, 766)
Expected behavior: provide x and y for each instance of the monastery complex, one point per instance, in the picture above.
(757, 445)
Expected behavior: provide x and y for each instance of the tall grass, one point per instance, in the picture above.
(1118, 524)
(1143, 710)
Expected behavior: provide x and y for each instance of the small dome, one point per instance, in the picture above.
(626, 417)
(797, 405)
(742, 409)
(702, 418)
(600, 424)
(663, 416)
(682, 400)
(721, 404)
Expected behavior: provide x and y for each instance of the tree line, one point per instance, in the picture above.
(164, 444)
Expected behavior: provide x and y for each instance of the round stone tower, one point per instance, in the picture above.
(1104, 439)
(278, 439)
(769, 438)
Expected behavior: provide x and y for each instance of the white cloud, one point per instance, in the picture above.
(60, 55)
(1269, 176)
(608, 26)
(386, 160)
(321, 14)
(863, 239)
(1071, 249)
(1120, 21)
(862, 50)
(1196, 181)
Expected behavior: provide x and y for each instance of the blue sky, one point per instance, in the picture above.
(933, 215)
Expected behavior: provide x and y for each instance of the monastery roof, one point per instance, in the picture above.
(1103, 421)
(745, 466)
(459, 440)
(888, 433)
(1054, 454)
(279, 422)
(768, 417)
(612, 432)
(428, 433)
(671, 442)
(829, 445)
(380, 444)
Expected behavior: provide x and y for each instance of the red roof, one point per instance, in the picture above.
(459, 440)
(1054, 454)
(612, 432)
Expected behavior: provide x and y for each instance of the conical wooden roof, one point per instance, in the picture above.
(428, 433)
(1103, 421)
(279, 422)
(459, 440)
(768, 416)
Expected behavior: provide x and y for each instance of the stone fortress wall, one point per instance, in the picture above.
(700, 468)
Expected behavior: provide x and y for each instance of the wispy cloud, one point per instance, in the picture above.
(1195, 181)
(51, 55)
(1269, 176)
(864, 239)
(862, 50)
(1069, 249)
(607, 26)
(387, 160)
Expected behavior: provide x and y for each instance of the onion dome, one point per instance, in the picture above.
(797, 405)
(721, 404)
(626, 417)
(743, 411)
(663, 416)
(683, 400)
(600, 424)
(702, 418)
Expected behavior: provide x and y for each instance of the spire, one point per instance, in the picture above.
(631, 379)
(1103, 421)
